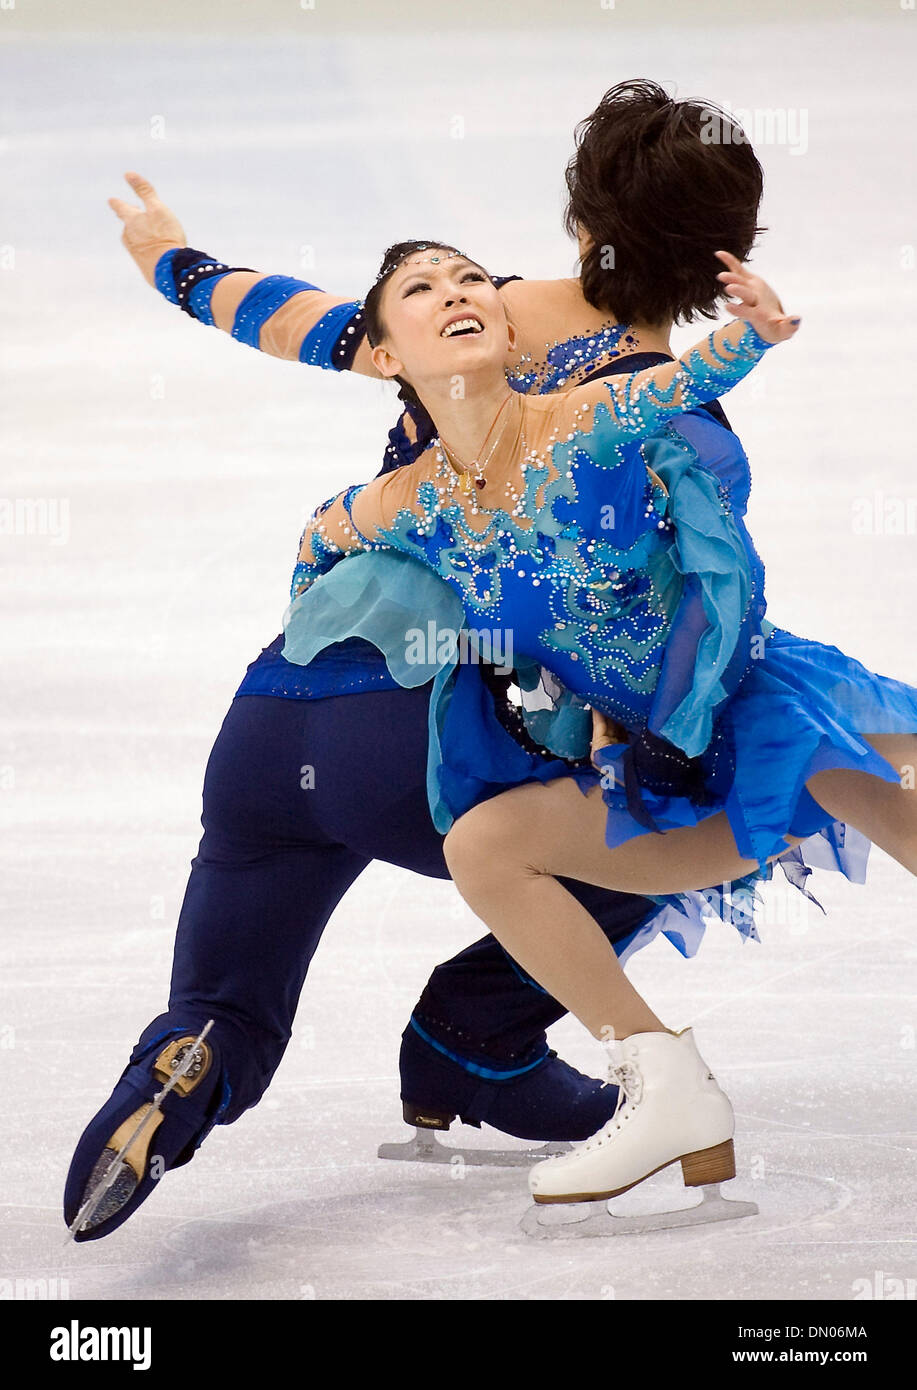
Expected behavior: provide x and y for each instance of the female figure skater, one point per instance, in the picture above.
(475, 1043)
(506, 505)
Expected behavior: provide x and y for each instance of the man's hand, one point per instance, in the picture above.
(604, 732)
(758, 304)
(149, 231)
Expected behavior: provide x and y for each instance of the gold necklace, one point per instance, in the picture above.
(477, 465)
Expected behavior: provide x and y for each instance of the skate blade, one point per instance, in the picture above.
(116, 1193)
(426, 1148)
(119, 1169)
(571, 1222)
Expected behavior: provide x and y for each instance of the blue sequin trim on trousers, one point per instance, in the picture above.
(487, 1073)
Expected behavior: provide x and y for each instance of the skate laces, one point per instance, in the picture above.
(624, 1073)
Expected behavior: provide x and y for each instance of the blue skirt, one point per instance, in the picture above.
(802, 707)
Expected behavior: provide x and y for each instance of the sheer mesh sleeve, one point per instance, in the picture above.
(328, 536)
(633, 406)
(277, 314)
(359, 518)
(299, 322)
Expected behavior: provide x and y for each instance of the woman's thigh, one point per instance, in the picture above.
(554, 829)
(885, 812)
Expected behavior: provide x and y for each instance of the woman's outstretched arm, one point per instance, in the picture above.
(635, 405)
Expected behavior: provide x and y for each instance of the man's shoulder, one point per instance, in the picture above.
(516, 287)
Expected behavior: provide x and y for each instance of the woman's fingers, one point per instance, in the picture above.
(746, 293)
(776, 328)
(729, 277)
(785, 326)
(739, 281)
(754, 300)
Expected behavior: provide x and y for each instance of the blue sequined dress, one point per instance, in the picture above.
(607, 556)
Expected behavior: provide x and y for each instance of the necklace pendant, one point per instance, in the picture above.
(479, 482)
(466, 483)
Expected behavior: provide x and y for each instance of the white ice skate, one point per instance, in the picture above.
(672, 1111)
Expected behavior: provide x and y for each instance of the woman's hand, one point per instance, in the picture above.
(149, 231)
(758, 305)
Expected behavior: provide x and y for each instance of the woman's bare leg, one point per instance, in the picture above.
(885, 812)
(505, 853)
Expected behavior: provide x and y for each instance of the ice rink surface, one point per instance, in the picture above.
(177, 468)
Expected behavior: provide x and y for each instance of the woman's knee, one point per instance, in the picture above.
(482, 843)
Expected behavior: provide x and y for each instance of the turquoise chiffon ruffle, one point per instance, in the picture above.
(709, 548)
(800, 708)
(415, 620)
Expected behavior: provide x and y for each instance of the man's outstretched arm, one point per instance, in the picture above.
(277, 314)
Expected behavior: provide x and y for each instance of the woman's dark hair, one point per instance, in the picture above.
(372, 318)
(660, 185)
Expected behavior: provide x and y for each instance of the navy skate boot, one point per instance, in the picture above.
(542, 1098)
(150, 1138)
(476, 1047)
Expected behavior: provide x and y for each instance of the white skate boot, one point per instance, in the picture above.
(672, 1111)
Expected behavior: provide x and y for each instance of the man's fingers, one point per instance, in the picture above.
(124, 210)
(729, 260)
(144, 190)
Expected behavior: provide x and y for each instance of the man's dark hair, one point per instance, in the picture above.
(660, 185)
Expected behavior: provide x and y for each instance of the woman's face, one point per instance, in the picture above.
(443, 317)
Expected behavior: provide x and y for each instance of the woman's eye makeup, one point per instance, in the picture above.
(425, 284)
